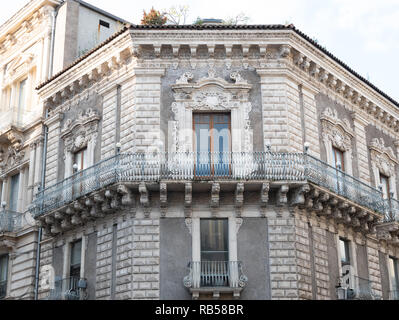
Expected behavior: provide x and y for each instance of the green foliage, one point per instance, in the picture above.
(154, 17)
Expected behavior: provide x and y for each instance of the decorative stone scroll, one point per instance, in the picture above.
(80, 133)
(211, 93)
(383, 160)
(337, 133)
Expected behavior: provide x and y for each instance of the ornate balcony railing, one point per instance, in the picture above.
(236, 166)
(362, 290)
(211, 274)
(72, 288)
(10, 221)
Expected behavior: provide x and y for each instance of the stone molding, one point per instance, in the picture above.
(211, 93)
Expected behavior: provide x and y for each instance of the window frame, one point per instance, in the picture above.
(346, 248)
(5, 281)
(225, 239)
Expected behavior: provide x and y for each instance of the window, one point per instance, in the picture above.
(13, 206)
(76, 253)
(393, 273)
(3, 275)
(212, 143)
(384, 181)
(80, 159)
(215, 266)
(338, 159)
(214, 240)
(344, 251)
(104, 24)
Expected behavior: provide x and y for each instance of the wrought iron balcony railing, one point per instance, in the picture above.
(72, 288)
(239, 166)
(211, 274)
(362, 290)
(10, 221)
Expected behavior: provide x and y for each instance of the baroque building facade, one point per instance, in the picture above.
(32, 48)
(199, 162)
(218, 162)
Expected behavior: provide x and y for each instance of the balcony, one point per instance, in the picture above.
(215, 277)
(362, 290)
(255, 166)
(10, 221)
(72, 288)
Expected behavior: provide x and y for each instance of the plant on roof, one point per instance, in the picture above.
(154, 17)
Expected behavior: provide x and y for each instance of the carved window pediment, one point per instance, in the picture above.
(211, 93)
(383, 157)
(77, 133)
(338, 131)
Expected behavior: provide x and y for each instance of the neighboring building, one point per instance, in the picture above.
(27, 48)
(217, 162)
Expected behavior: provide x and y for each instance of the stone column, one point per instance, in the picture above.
(38, 165)
(360, 124)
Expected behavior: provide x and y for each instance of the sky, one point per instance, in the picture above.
(362, 33)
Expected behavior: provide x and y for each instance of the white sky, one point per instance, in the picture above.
(362, 33)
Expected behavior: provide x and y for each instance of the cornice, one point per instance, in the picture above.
(25, 14)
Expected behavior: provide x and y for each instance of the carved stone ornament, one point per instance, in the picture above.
(15, 154)
(382, 157)
(77, 133)
(337, 130)
(210, 93)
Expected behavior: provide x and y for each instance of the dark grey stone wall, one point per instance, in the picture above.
(255, 98)
(175, 254)
(333, 267)
(90, 265)
(384, 275)
(92, 101)
(253, 251)
(58, 261)
(362, 263)
(323, 102)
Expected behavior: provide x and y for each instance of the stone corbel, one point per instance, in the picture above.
(239, 198)
(127, 197)
(144, 199)
(157, 50)
(285, 51)
(314, 70)
(282, 195)
(188, 198)
(163, 198)
(214, 203)
(245, 51)
(229, 50)
(298, 197)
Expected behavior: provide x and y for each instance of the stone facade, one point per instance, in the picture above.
(294, 222)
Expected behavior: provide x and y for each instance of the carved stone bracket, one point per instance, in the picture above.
(163, 198)
(282, 195)
(214, 203)
(239, 198)
(144, 199)
(188, 199)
